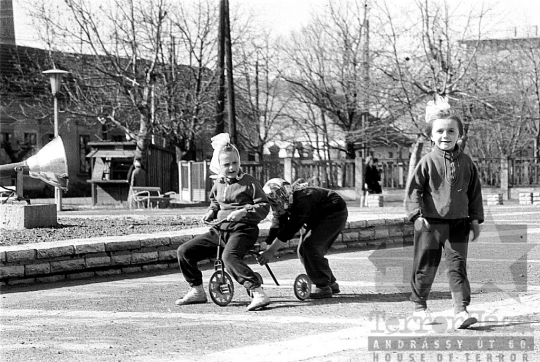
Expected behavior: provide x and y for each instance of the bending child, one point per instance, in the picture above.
(239, 199)
(444, 200)
(324, 215)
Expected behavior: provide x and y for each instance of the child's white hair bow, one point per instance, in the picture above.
(218, 142)
(437, 107)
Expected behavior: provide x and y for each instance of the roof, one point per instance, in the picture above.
(19, 67)
(111, 154)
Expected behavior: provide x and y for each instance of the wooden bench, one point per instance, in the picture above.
(147, 196)
(6, 192)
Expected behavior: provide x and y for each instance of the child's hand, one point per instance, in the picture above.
(209, 216)
(475, 227)
(266, 257)
(421, 224)
(237, 215)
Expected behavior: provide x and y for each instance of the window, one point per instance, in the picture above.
(390, 154)
(7, 138)
(30, 139)
(84, 163)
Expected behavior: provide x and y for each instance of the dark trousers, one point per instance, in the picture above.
(315, 245)
(453, 236)
(239, 239)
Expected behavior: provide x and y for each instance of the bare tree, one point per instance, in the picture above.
(531, 70)
(262, 96)
(187, 94)
(423, 58)
(124, 40)
(327, 58)
(506, 73)
(142, 66)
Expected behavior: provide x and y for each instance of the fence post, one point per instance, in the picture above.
(359, 177)
(206, 180)
(288, 169)
(400, 174)
(180, 185)
(505, 178)
(190, 181)
(526, 179)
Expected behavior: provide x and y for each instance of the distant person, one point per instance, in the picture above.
(239, 199)
(138, 176)
(444, 200)
(372, 176)
(322, 212)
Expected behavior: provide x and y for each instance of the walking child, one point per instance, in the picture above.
(322, 212)
(444, 200)
(239, 199)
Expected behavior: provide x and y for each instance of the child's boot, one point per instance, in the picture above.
(195, 295)
(335, 288)
(260, 299)
(463, 320)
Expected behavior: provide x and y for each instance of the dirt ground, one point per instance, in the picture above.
(96, 226)
(134, 318)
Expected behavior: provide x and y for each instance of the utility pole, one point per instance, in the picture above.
(220, 98)
(365, 113)
(225, 65)
(230, 81)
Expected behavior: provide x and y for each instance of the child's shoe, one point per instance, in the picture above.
(335, 288)
(321, 292)
(195, 295)
(423, 314)
(419, 320)
(260, 299)
(463, 320)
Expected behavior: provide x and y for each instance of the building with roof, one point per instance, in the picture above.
(27, 116)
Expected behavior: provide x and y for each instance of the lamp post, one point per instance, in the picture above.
(55, 75)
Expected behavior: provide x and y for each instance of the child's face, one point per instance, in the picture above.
(229, 164)
(445, 133)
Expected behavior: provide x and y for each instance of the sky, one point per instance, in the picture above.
(289, 15)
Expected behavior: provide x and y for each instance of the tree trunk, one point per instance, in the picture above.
(416, 154)
(142, 139)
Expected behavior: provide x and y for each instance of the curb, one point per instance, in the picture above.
(122, 255)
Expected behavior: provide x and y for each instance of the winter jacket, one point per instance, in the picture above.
(309, 206)
(244, 192)
(445, 185)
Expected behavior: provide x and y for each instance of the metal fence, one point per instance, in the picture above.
(522, 172)
(195, 182)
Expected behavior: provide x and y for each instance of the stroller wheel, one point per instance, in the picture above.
(221, 288)
(302, 287)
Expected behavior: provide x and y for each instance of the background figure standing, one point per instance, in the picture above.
(138, 176)
(372, 176)
(444, 200)
(372, 179)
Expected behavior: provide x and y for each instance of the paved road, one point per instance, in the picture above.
(135, 319)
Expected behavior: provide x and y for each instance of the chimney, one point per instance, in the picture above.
(7, 25)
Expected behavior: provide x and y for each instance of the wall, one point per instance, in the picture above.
(118, 255)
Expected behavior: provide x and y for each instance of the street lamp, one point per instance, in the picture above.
(55, 75)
